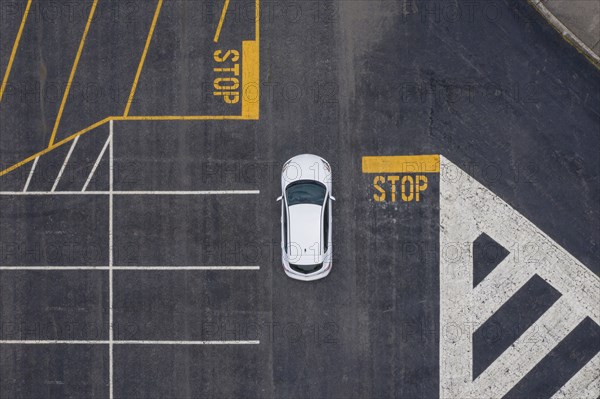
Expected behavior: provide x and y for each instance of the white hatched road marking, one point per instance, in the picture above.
(89, 178)
(30, 174)
(585, 384)
(468, 209)
(64, 165)
(527, 351)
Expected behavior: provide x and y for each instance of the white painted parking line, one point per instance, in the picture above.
(123, 342)
(30, 174)
(110, 260)
(89, 178)
(135, 268)
(206, 192)
(64, 165)
(585, 384)
(203, 192)
(467, 210)
(252, 342)
(51, 342)
(186, 268)
(160, 268)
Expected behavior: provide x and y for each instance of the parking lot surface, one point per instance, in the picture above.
(141, 146)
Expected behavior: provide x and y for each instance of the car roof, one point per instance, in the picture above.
(305, 233)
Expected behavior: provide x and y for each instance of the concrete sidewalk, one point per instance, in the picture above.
(577, 20)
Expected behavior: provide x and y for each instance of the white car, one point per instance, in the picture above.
(306, 203)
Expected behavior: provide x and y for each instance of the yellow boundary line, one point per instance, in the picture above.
(177, 117)
(257, 21)
(72, 75)
(221, 20)
(250, 79)
(14, 49)
(143, 59)
(401, 164)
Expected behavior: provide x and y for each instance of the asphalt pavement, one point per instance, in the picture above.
(140, 244)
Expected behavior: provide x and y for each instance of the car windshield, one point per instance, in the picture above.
(305, 192)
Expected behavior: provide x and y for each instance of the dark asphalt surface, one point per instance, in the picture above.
(485, 83)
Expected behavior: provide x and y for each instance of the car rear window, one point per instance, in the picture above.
(305, 192)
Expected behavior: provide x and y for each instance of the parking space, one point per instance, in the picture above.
(54, 371)
(190, 156)
(191, 306)
(178, 371)
(58, 231)
(54, 305)
(187, 230)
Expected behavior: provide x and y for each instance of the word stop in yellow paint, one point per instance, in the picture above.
(408, 187)
(227, 82)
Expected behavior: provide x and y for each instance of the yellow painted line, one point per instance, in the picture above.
(401, 164)
(257, 21)
(221, 20)
(250, 79)
(53, 147)
(177, 117)
(143, 59)
(72, 75)
(251, 71)
(14, 49)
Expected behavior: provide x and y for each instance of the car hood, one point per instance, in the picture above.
(304, 247)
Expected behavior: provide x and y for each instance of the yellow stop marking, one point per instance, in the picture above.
(401, 164)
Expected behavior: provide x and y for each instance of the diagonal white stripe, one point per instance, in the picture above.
(583, 385)
(64, 165)
(30, 174)
(89, 178)
(497, 288)
(527, 351)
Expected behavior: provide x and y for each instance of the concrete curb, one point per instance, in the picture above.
(566, 33)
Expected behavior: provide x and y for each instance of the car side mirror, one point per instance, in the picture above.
(278, 198)
(332, 197)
